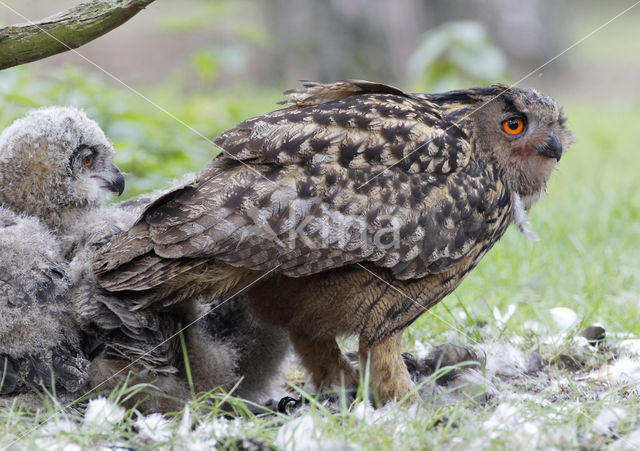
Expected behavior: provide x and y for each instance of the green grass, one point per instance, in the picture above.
(587, 260)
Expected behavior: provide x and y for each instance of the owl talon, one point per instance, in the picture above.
(289, 405)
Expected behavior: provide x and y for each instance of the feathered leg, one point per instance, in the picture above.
(324, 360)
(389, 375)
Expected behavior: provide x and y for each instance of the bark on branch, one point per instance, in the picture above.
(70, 29)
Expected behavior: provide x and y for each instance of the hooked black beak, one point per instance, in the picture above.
(116, 184)
(552, 147)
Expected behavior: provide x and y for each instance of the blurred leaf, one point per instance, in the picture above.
(206, 64)
(456, 54)
(209, 63)
(234, 58)
(254, 35)
(196, 16)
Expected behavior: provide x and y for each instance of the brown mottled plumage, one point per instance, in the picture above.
(352, 211)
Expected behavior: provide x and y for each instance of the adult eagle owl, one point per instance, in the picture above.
(351, 211)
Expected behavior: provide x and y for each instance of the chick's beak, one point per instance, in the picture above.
(551, 148)
(116, 182)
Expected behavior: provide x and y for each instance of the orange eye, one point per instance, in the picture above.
(88, 160)
(513, 125)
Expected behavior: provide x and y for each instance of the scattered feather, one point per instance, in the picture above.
(153, 428)
(521, 219)
(563, 317)
(103, 414)
(608, 420)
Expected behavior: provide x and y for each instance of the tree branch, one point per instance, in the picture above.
(70, 29)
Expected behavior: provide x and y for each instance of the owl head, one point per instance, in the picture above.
(56, 161)
(522, 130)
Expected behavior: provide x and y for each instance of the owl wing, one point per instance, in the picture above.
(146, 338)
(349, 172)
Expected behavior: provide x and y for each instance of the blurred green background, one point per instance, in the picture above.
(209, 64)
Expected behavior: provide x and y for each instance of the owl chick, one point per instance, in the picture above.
(226, 347)
(55, 164)
(351, 211)
(255, 354)
(56, 169)
(39, 341)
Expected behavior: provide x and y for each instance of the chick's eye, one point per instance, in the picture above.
(513, 125)
(88, 160)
